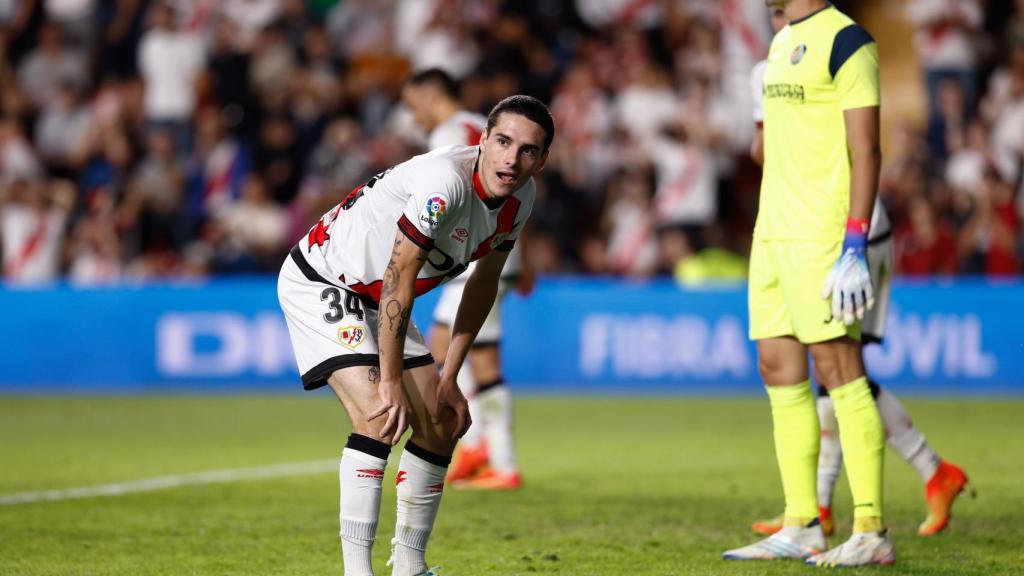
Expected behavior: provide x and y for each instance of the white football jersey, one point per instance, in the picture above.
(436, 200)
(466, 128)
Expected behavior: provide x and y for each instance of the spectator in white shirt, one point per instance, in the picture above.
(946, 47)
(170, 61)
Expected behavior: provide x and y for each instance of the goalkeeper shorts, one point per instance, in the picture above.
(784, 291)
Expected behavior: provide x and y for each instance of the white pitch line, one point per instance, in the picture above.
(174, 481)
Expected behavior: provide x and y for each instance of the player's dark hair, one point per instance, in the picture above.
(528, 107)
(436, 77)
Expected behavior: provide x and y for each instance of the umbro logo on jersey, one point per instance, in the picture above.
(460, 234)
(351, 336)
(369, 473)
(798, 54)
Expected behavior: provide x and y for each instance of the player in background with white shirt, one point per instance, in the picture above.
(486, 456)
(347, 292)
(943, 480)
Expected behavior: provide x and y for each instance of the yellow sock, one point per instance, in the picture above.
(796, 434)
(863, 439)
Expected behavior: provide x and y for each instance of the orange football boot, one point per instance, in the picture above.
(940, 493)
(491, 479)
(467, 462)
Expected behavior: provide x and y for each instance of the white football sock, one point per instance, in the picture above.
(496, 402)
(420, 486)
(830, 455)
(360, 476)
(907, 440)
(467, 384)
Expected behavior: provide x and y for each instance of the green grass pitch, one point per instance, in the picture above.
(614, 486)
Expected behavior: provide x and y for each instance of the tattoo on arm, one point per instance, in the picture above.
(398, 318)
(389, 284)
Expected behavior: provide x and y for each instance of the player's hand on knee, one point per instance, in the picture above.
(449, 397)
(395, 405)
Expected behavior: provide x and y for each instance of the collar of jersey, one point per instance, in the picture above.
(478, 185)
(812, 14)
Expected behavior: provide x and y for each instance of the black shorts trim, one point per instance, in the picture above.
(316, 377)
(313, 276)
(300, 260)
(866, 339)
(880, 238)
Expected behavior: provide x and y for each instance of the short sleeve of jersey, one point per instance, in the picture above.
(436, 195)
(854, 68)
(757, 89)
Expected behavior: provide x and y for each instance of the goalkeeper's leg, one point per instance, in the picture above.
(783, 365)
(838, 362)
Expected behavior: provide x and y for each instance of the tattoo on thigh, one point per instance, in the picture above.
(374, 375)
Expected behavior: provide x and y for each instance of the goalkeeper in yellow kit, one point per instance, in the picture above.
(809, 282)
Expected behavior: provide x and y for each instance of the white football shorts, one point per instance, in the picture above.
(332, 328)
(872, 328)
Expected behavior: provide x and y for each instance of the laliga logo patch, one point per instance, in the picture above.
(433, 211)
(351, 336)
(798, 54)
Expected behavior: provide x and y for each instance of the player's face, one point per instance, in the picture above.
(417, 100)
(778, 19)
(510, 154)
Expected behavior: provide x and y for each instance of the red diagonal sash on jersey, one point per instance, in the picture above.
(29, 248)
(473, 133)
(499, 240)
(372, 290)
(506, 224)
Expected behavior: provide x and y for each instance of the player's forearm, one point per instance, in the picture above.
(865, 160)
(864, 168)
(396, 300)
(477, 301)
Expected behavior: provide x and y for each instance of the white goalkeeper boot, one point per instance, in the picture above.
(797, 542)
(861, 549)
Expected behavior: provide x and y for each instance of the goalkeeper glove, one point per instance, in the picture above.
(849, 282)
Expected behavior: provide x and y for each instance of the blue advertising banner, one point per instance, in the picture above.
(571, 335)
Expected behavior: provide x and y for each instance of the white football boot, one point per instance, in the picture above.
(797, 542)
(861, 549)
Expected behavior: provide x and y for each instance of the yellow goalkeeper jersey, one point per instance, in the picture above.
(818, 66)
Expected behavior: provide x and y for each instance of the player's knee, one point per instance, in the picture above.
(774, 371)
(437, 437)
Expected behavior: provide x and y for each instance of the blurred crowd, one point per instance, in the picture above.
(151, 139)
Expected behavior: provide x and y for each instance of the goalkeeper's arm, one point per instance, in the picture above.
(865, 160)
(849, 282)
